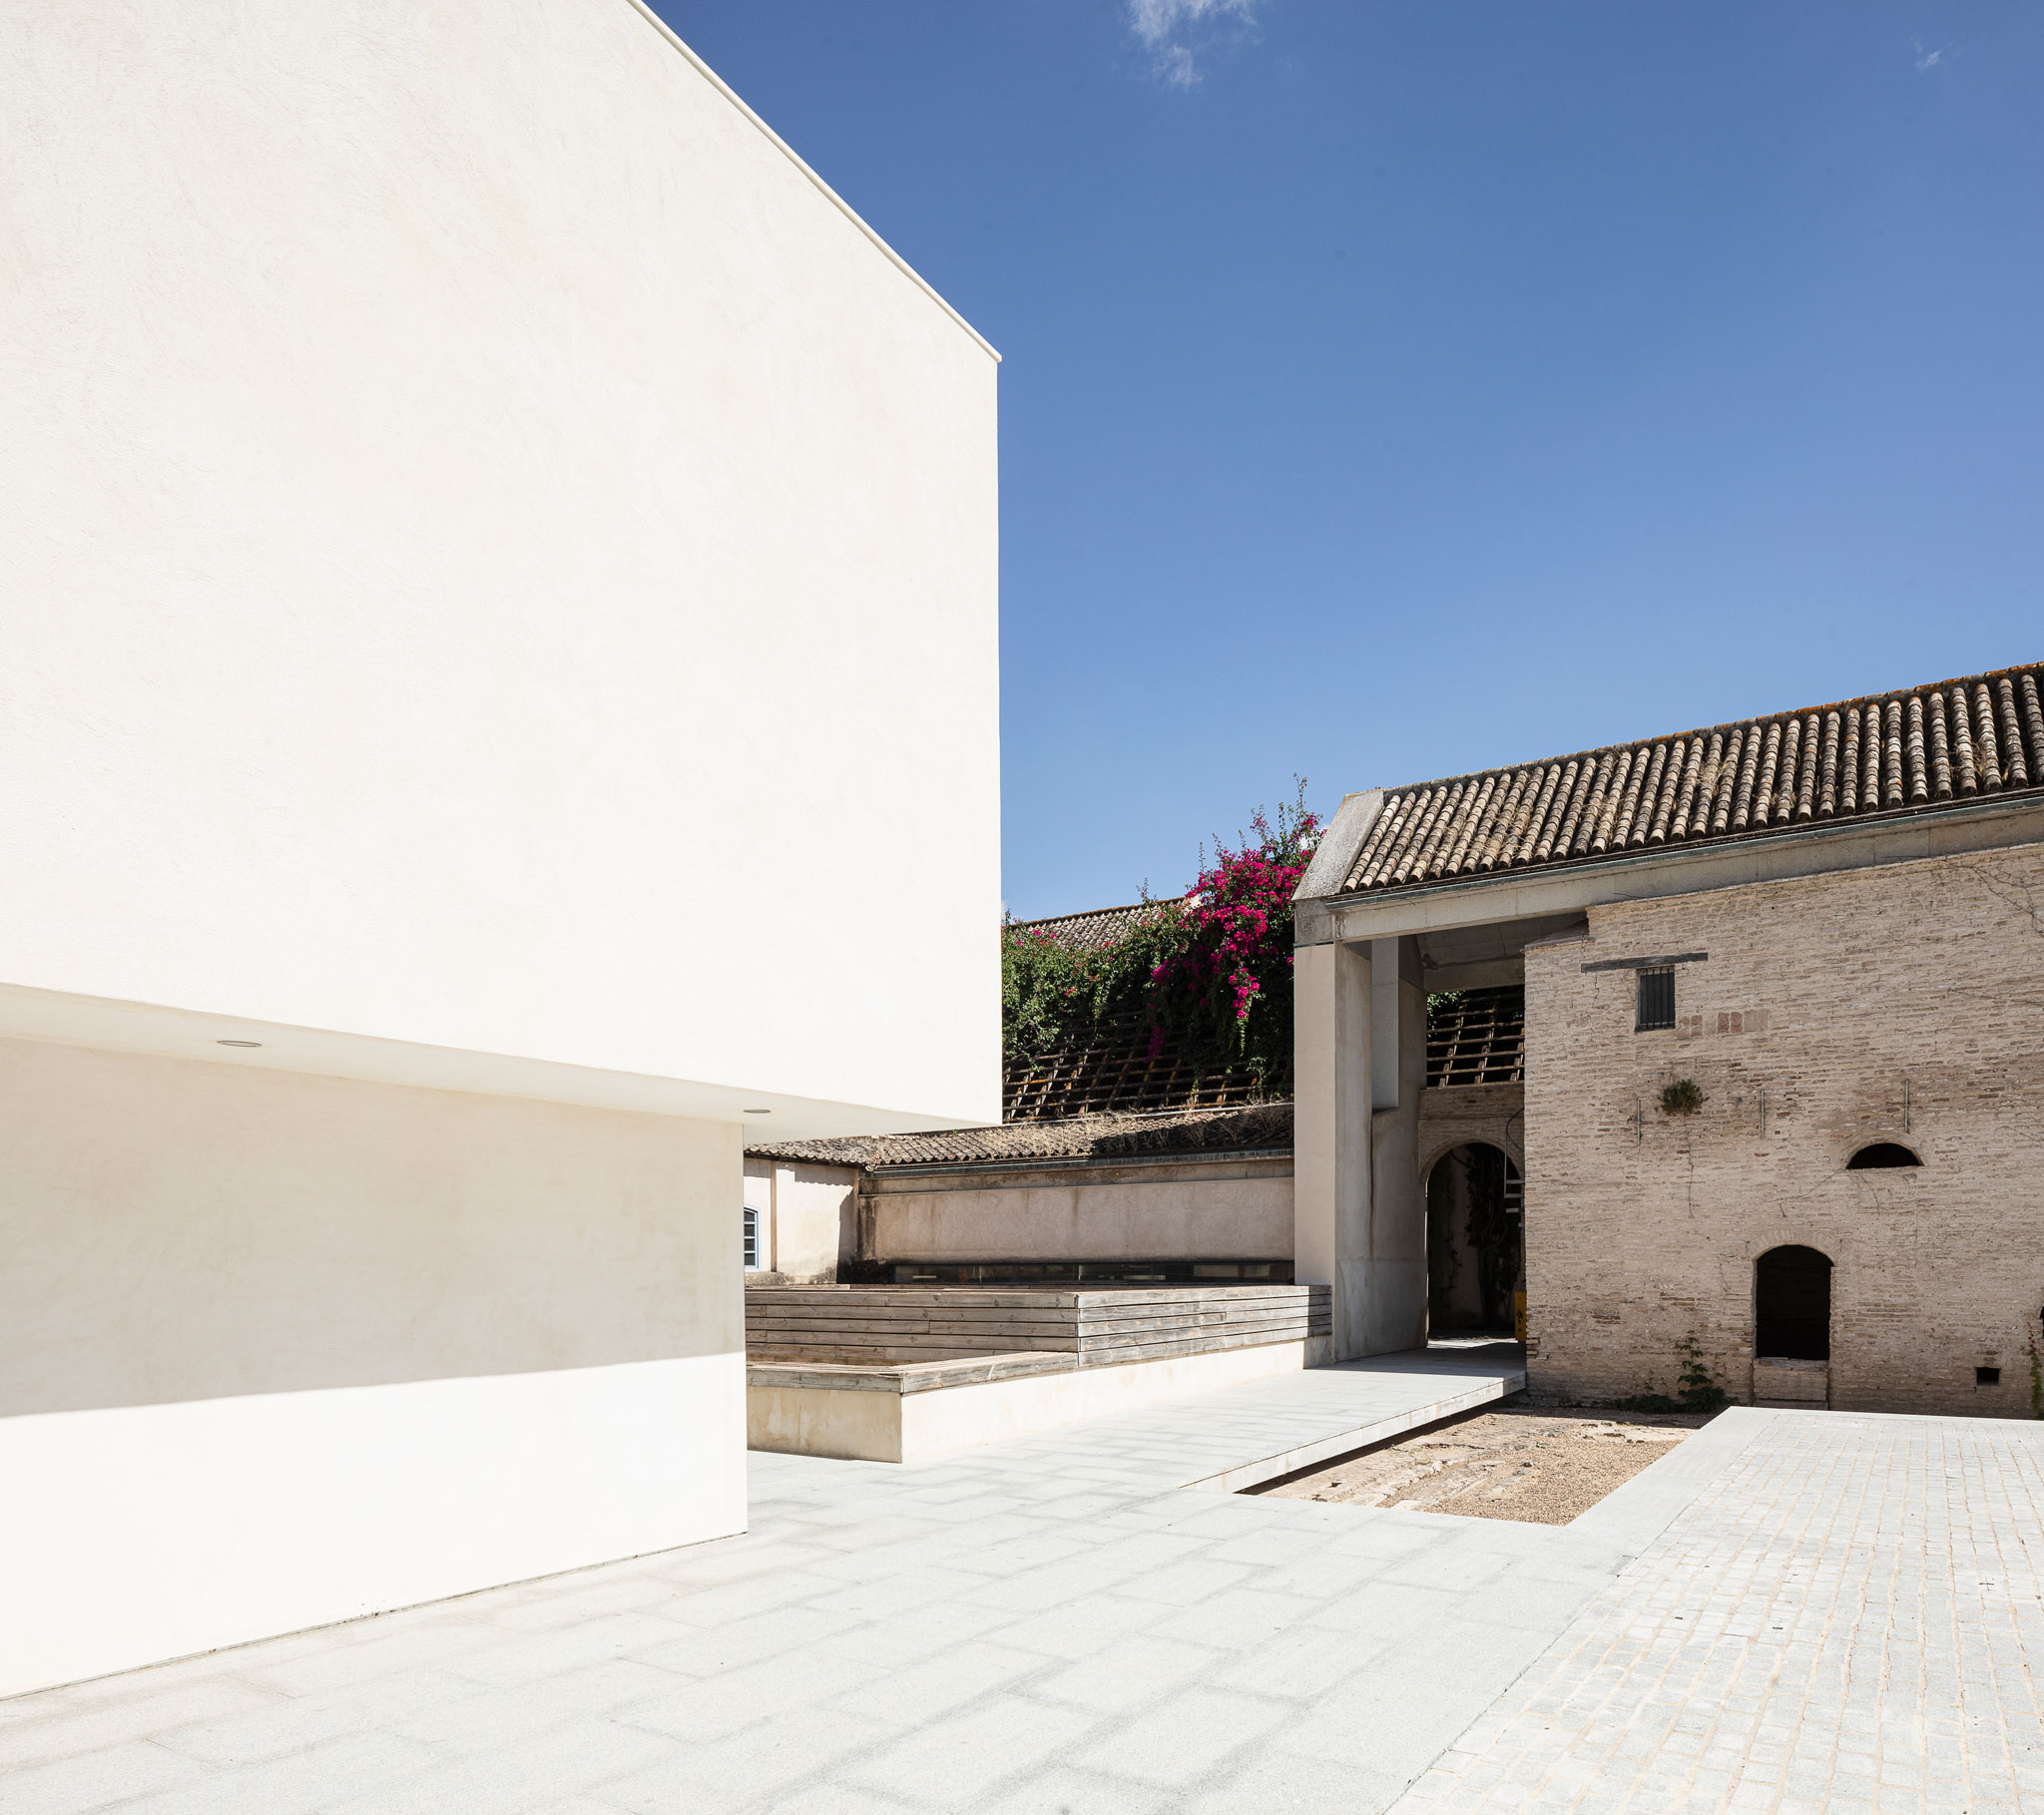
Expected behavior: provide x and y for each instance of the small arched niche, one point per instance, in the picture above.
(1880, 1155)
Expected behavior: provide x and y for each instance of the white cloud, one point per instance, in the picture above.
(1175, 31)
(1928, 59)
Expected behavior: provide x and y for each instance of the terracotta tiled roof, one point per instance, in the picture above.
(840, 1150)
(1094, 928)
(1889, 755)
(1259, 1127)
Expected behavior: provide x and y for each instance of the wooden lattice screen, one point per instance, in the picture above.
(1478, 1037)
(1116, 1069)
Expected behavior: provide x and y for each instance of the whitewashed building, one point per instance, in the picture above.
(426, 424)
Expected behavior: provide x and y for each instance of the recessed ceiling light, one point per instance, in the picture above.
(237, 1042)
(758, 1111)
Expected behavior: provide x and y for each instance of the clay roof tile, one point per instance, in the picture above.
(1916, 749)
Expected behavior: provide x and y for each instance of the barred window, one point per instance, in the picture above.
(1657, 999)
(752, 1240)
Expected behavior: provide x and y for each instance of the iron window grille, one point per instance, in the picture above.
(1657, 999)
(752, 1240)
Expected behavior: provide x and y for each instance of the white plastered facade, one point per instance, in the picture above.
(471, 488)
(807, 1217)
(281, 1350)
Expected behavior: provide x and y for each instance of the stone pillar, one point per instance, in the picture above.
(1386, 1069)
(1331, 1134)
(1395, 1314)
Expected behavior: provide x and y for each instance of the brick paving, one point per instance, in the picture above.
(1847, 1618)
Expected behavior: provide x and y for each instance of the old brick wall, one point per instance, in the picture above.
(1490, 1112)
(1827, 993)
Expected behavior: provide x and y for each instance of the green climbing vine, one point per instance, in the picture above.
(1697, 1388)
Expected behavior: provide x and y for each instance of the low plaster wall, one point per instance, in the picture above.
(1233, 1210)
(279, 1350)
(882, 1425)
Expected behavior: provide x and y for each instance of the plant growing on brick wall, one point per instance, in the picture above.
(1697, 1388)
(1215, 968)
(1682, 1098)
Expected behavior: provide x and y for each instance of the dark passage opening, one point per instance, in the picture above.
(1791, 1305)
(1475, 1253)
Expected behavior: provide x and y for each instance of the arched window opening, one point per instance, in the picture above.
(1882, 1153)
(1791, 1305)
(1475, 1253)
(751, 1248)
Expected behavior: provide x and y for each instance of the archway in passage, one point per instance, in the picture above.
(1475, 1246)
(1791, 1305)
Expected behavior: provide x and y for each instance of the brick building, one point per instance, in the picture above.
(1784, 1076)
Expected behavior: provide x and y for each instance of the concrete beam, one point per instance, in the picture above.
(1392, 962)
(1335, 856)
(1769, 856)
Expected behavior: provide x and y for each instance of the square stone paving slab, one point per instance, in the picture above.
(1792, 1610)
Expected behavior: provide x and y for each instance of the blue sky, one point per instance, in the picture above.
(1397, 390)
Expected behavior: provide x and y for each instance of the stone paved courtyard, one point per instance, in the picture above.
(1790, 1611)
(1850, 1616)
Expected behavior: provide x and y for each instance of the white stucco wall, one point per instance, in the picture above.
(1195, 1216)
(470, 493)
(920, 1427)
(280, 1350)
(809, 1215)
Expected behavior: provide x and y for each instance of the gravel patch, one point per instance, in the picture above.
(1537, 1465)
